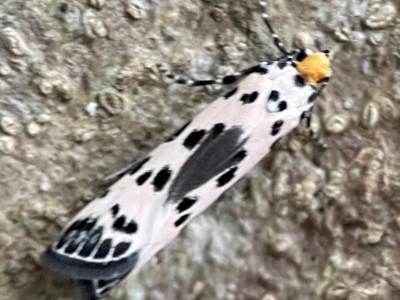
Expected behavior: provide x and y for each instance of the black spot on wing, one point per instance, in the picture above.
(193, 138)
(114, 210)
(274, 96)
(63, 240)
(276, 127)
(122, 225)
(177, 133)
(88, 224)
(282, 106)
(91, 243)
(299, 81)
(226, 177)
(216, 130)
(161, 179)
(143, 178)
(87, 248)
(78, 228)
(186, 203)
(72, 246)
(215, 154)
(138, 166)
(249, 98)
(71, 230)
(104, 249)
(84, 224)
(119, 223)
(81, 238)
(121, 248)
(244, 98)
(253, 97)
(238, 157)
(231, 93)
(313, 96)
(131, 227)
(181, 220)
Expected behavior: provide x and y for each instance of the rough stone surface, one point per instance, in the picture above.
(306, 224)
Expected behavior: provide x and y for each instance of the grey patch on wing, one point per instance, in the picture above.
(216, 154)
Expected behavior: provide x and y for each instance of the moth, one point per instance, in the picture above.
(158, 195)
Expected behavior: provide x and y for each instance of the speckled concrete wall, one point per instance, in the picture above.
(80, 96)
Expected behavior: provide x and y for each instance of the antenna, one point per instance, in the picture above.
(277, 41)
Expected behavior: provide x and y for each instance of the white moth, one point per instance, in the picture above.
(157, 196)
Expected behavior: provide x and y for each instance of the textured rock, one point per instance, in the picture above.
(305, 224)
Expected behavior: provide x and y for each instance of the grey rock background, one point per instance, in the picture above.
(305, 224)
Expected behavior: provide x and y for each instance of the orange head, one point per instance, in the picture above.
(314, 67)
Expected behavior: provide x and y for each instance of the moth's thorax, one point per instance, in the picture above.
(314, 67)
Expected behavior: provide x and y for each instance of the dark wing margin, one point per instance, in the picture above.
(88, 270)
(218, 152)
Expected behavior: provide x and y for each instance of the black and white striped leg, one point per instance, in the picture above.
(277, 41)
(261, 68)
(307, 115)
(318, 140)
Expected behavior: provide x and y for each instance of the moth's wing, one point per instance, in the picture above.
(224, 142)
(156, 198)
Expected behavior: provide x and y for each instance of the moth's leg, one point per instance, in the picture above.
(229, 79)
(317, 139)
